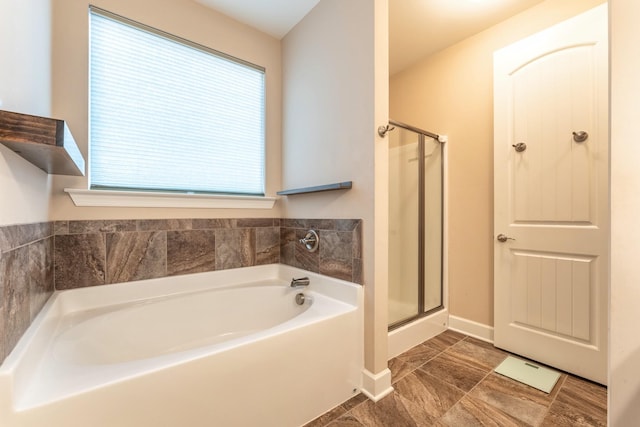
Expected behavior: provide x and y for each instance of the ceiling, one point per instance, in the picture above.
(274, 17)
(417, 28)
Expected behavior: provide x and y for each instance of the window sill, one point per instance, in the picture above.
(141, 199)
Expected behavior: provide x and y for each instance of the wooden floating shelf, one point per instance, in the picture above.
(317, 189)
(45, 142)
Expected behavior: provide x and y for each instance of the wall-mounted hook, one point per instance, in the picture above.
(520, 147)
(382, 130)
(580, 136)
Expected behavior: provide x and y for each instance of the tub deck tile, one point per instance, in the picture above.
(267, 245)
(191, 251)
(235, 248)
(14, 304)
(79, 260)
(40, 274)
(136, 256)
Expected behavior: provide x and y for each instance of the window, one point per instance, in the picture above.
(169, 115)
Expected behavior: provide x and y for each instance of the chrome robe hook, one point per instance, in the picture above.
(382, 130)
(580, 136)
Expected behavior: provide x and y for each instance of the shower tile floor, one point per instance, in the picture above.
(449, 381)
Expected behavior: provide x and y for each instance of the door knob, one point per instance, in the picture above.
(503, 238)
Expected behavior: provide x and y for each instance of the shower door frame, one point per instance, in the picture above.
(422, 135)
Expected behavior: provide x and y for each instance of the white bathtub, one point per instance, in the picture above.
(227, 348)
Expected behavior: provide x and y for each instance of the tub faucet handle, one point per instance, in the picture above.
(310, 241)
(302, 281)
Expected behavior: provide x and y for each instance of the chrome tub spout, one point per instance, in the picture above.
(298, 283)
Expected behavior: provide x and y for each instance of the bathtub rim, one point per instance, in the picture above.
(93, 297)
(32, 344)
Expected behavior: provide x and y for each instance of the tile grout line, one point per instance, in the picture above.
(453, 385)
(548, 408)
(345, 413)
(560, 387)
(467, 393)
(412, 371)
(417, 367)
(406, 374)
(544, 415)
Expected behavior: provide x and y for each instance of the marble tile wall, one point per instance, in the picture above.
(36, 258)
(117, 251)
(339, 252)
(26, 278)
(90, 253)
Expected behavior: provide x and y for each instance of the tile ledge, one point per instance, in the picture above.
(141, 199)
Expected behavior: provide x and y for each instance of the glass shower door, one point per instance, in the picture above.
(403, 225)
(415, 225)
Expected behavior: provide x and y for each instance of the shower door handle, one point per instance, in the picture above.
(503, 238)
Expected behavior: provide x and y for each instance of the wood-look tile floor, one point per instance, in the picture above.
(449, 381)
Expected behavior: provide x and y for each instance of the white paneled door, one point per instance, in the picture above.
(551, 196)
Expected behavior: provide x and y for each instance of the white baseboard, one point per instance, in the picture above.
(471, 328)
(376, 386)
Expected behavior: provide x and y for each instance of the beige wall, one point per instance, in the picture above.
(451, 93)
(25, 87)
(376, 335)
(329, 131)
(184, 18)
(624, 356)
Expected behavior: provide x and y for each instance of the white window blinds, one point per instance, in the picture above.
(169, 115)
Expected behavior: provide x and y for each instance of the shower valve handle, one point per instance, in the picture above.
(310, 241)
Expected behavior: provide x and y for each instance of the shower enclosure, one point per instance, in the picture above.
(415, 224)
